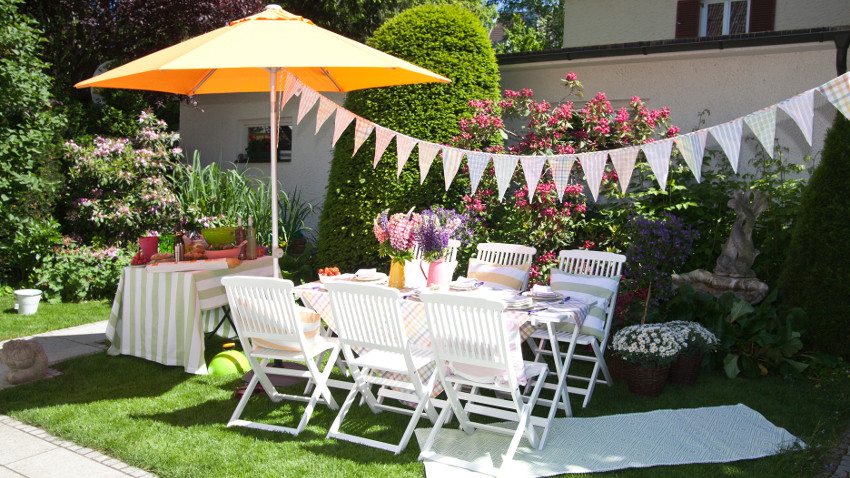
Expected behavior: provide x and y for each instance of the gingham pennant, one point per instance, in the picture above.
(341, 121)
(405, 146)
(477, 162)
(326, 109)
(293, 86)
(729, 137)
(383, 136)
(801, 109)
(505, 166)
(532, 168)
(362, 129)
(561, 166)
(692, 147)
(451, 163)
(427, 152)
(837, 91)
(593, 165)
(763, 125)
(624, 160)
(658, 156)
(308, 99)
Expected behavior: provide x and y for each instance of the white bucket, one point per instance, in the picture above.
(26, 301)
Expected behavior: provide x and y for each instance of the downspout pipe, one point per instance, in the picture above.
(842, 42)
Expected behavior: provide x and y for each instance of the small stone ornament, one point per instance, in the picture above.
(26, 360)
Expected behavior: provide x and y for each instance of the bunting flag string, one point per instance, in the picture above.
(451, 163)
(692, 147)
(624, 160)
(837, 91)
(532, 168)
(593, 165)
(362, 129)
(658, 156)
(505, 166)
(326, 109)
(801, 109)
(293, 86)
(763, 125)
(405, 146)
(729, 137)
(308, 99)
(477, 163)
(341, 121)
(383, 136)
(427, 152)
(561, 166)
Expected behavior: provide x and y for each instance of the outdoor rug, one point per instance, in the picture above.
(635, 440)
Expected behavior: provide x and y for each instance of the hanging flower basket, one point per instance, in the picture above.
(648, 381)
(685, 370)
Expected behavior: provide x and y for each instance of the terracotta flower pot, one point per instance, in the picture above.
(648, 381)
(685, 370)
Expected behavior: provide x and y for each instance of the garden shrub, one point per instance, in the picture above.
(74, 273)
(816, 273)
(445, 39)
(28, 127)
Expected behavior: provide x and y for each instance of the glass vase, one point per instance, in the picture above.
(396, 279)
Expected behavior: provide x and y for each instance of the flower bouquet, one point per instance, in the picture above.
(651, 348)
(698, 341)
(396, 234)
(437, 226)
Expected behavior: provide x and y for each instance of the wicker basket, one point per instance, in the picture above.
(685, 369)
(618, 367)
(648, 381)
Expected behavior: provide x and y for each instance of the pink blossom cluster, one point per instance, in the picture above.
(401, 231)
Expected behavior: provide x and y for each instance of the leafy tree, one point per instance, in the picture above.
(530, 24)
(818, 264)
(448, 40)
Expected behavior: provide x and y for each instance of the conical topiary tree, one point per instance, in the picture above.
(816, 275)
(448, 40)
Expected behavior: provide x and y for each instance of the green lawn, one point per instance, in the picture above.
(49, 317)
(164, 420)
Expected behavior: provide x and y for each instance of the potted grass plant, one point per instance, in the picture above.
(650, 349)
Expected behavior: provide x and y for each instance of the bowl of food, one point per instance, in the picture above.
(219, 235)
(328, 274)
(223, 251)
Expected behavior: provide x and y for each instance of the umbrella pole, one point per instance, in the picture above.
(276, 252)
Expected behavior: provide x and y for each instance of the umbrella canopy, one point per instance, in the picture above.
(248, 56)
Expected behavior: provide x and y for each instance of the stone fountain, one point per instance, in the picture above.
(733, 271)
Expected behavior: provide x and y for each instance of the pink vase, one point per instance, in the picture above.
(436, 273)
(149, 246)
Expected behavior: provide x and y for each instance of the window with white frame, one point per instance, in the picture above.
(258, 145)
(724, 17)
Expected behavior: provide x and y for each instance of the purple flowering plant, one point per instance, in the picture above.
(437, 227)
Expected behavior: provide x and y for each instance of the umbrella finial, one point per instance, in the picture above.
(273, 6)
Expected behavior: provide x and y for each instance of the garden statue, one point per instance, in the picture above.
(26, 360)
(733, 272)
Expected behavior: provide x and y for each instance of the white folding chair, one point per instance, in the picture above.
(368, 318)
(585, 267)
(450, 255)
(475, 348)
(505, 255)
(270, 327)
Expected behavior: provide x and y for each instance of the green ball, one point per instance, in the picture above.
(229, 362)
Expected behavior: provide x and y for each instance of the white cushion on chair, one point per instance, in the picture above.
(598, 291)
(498, 275)
(310, 325)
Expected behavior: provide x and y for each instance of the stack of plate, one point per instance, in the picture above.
(547, 296)
(465, 284)
(369, 277)
(519, 302)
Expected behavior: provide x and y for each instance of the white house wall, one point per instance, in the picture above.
(217, 129)
(729, 83)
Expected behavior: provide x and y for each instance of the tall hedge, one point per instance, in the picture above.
(448, 40)
(817, 271)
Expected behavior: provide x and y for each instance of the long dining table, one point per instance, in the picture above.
(314, 296)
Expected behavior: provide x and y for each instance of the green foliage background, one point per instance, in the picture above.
(816, 273)
(448, 40)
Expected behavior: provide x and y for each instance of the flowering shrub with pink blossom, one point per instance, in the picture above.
(548, 222)
(74, 273)
(396, 234)
(117, 187)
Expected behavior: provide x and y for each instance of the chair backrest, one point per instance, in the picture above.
(264, 308)
(450, 255)
(368, 316)
(469, 330)
(592, 263)
(507, 254)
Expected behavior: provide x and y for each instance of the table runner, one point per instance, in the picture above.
(163, 316)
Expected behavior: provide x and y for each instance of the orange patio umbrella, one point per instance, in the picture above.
(250, 55)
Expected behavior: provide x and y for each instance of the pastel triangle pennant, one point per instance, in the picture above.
(326, 109)
(561, 166)
(658, 156)
(593, 165)
(729, 137)
(837, 91)
(505, 166)
(427, 152)
(801, 109)
(692, 147)
(405, 146)
(293, 86)
(532, 168)
(477, 163)
(308, 99)
(451, 163)
(624, 160)
(383, 136)
(362, 129)
(763, 125)
(341, 121)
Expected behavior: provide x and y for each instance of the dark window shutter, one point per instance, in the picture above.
(687, 18)
(762, 15)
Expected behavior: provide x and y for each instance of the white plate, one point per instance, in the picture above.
(547, 297)
(373, 278)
